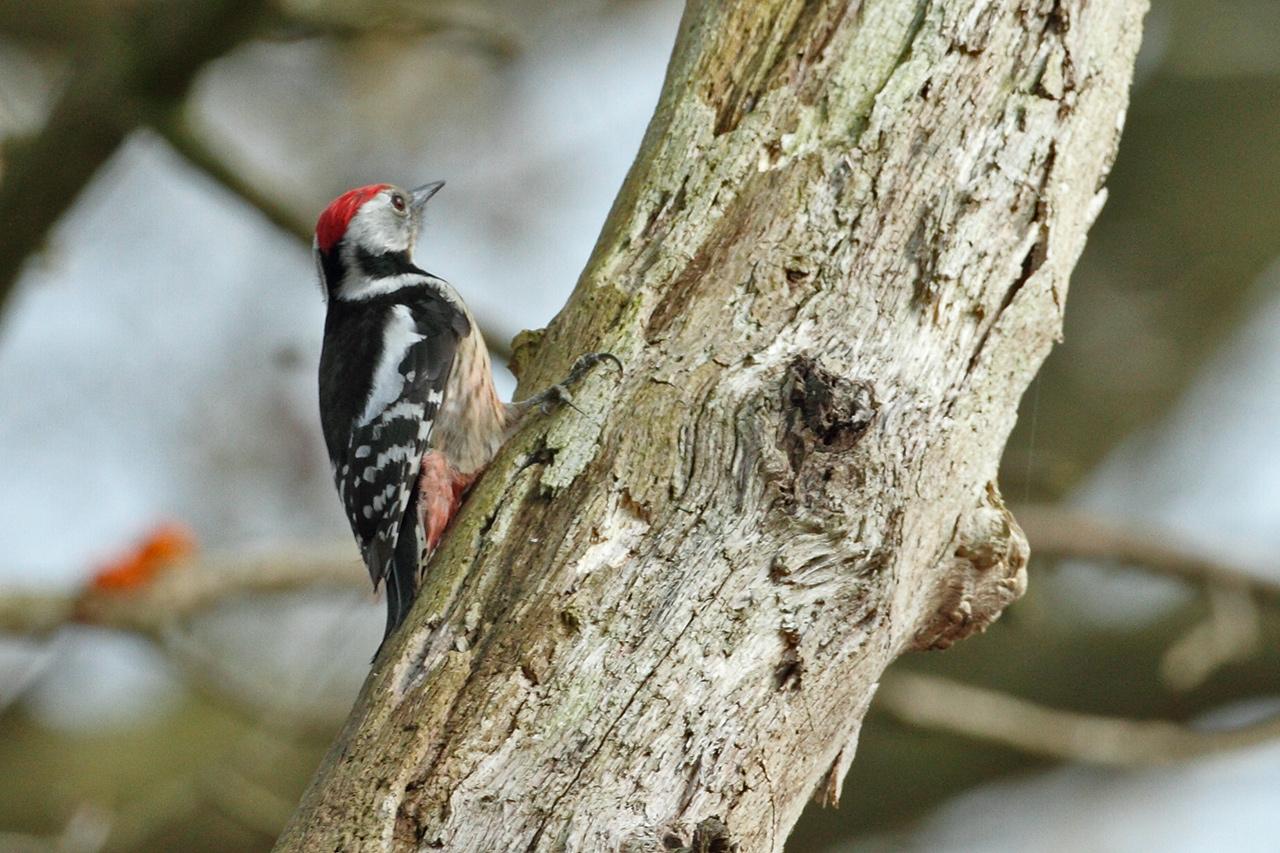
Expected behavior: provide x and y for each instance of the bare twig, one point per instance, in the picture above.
(415, 19)
(1231, 632)
(135, 69)
(158, 609)
(120, 87)
(1060, 532)
(940, 703)
(186, 141)
(181, 592)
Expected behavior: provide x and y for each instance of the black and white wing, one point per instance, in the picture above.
(377, 472)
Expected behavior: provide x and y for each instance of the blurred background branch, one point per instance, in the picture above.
(1064, 532)
(133, 66)
(1230, 631)
(471, 22)
(157, 607)
(181, 591)
(138, 62)
(186, 140)
(991, 715)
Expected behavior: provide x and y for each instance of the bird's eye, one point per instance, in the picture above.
(397, 201)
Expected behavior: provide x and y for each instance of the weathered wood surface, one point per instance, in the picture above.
(838, 261)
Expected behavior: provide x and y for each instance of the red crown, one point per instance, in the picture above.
(337, 216)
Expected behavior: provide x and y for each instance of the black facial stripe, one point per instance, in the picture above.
(384, 264)
(332, 267)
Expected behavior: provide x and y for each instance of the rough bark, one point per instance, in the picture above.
(839, 259)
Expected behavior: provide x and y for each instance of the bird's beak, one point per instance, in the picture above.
(423, 194)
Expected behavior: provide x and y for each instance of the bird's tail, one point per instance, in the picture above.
(401, 576)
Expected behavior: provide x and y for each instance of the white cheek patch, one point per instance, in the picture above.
(379, 228)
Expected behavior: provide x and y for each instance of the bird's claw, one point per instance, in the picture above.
(583, 366)
(557, 395)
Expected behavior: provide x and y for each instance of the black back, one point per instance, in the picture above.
(376, 464)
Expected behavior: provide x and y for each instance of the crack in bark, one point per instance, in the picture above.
(641, 685)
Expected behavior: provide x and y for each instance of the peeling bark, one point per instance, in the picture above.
(838, 261)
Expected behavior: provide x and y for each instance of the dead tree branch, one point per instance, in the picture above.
(120, 85)
(186, 140)
(1229, 633)
(1058, 531)
(964, 709)
(133, 67)
(840, 257)
(181, 592)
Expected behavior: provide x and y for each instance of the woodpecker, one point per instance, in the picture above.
(407, 403)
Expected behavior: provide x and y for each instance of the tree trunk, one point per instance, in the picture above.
(839, 259)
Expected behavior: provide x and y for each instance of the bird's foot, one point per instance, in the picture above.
(559, 394)
(583, 366)
(554, 397)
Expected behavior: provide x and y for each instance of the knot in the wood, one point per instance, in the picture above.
(987, 573)
(824, 419)
(524, 350)
(825, 412)
(709, 836)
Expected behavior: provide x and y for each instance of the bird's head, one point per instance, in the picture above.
(367, 231)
